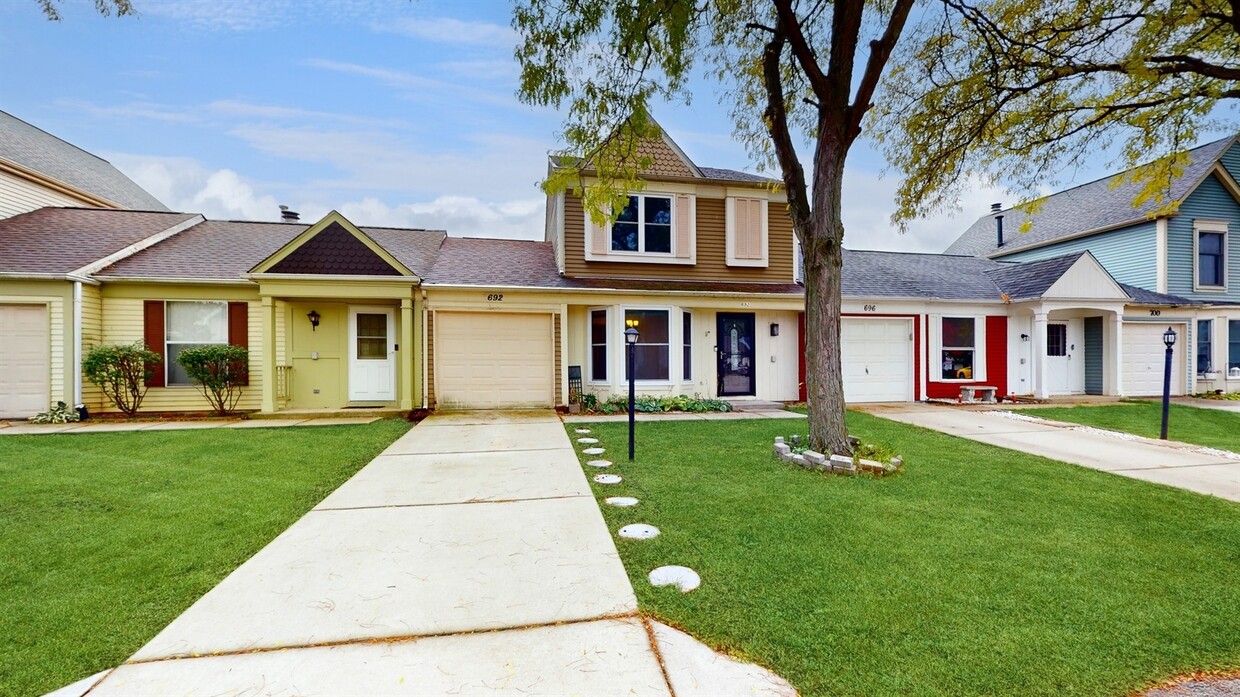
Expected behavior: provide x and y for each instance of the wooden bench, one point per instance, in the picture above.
(973, 394)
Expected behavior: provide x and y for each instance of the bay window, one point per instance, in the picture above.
(959, 348)
(189, 324)
(651, 355)
(644, 226)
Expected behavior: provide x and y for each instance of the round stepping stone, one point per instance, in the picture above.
(593, 451)
(607, 478)
(639, 531)
(682, 577)
(621, 501)
(582, 430)
(599, 463)
(587, 441)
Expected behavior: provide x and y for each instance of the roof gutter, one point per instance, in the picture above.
(176, 280)
(23, 276)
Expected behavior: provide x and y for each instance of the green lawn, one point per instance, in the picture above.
(1209, 427)
(977, 571)
(105, 538)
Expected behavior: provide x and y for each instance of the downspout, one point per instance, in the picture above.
(77, 344)
(425, 364)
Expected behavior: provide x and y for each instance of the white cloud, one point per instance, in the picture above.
(452, 31)
(184, 184)
(409, 81)
(133, 110)
(251, 15)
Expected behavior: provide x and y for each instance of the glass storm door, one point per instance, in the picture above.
(735, 348)
(372, 354)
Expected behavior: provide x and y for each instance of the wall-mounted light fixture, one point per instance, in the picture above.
(314, 319)
(774, 329)
(1024, 337)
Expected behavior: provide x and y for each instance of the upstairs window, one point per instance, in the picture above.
(1204, 346)
(1211, 255)
(959, 341)
(644, 226)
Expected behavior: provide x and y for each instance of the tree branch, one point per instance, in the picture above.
(880, 53)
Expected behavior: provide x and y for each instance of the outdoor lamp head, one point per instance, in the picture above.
(314, 316)
(1169, 337)
(630, 335)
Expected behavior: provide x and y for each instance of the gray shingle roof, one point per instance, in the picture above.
(1091, 206)
(736, 176)
(36, 149)
(1142, 296)
(909, 275)
(60, 240)
(1031, 279)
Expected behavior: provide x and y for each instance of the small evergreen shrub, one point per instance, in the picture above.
(121, 372)
(652, 404)
(219, 371)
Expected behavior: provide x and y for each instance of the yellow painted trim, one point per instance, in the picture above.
(310, 287)
(310, 232)
(180, 291)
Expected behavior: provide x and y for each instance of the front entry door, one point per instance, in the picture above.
(734, 332)
(1065, 369)
(372, 354)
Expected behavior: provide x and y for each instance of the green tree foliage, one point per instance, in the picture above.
(105, 7)
(219, 371)
(1018, 89)
(121, 372)
(789, 68)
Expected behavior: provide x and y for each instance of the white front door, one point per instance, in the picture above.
(1065, 357)
(372, 354)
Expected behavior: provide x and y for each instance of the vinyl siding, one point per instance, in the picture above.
(92, 335)
(711, 249)
(123, 324)
(1211, 201)
(19, 195)
(1128, 253)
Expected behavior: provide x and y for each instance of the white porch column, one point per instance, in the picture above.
(269, 354)
(1041, 386)
(1117, 355)
(407, 365)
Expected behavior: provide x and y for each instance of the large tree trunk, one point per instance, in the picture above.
(823, 252)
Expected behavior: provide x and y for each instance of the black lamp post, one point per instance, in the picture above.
(630, 338)
(1169, 340)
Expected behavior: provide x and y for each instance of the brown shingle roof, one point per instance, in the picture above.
(60, 240)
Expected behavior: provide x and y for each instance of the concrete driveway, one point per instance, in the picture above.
(469, 557)
(1199, 469)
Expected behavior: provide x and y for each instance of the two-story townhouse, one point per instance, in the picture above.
(1185, 245)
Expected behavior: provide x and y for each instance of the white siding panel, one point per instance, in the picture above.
(18, 195)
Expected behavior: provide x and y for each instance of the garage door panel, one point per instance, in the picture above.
(876, 359)
(25, 360)
(1145, 356)
(492, 360)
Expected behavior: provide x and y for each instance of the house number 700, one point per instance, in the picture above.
(495, 297)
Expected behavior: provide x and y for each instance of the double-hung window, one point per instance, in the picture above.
(959, 347)
(188, 324)
(686, 339)
(1211, 255)
(644, 226)
(651, 355)
(1233, 346)
(1205, 362)
(598, 345)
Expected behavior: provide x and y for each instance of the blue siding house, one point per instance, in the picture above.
(1185, 245)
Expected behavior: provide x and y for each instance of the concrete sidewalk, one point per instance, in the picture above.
(1199, 469)
(468, 557)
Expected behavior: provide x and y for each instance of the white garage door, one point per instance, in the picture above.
(493, 361)
(1145, 356)
(25, 361)
(877, 359)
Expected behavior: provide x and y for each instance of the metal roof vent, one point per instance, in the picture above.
(996, 209)
(289, 216)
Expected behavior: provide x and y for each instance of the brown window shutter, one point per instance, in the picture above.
(598, 236)
(239, 328)
(153, 334)
(684, 226)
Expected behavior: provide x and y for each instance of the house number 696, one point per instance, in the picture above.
(495, 297)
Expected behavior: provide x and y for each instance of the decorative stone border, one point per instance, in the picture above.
(841, 464)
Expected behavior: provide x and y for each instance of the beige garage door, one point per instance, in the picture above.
(1145, 358)
(486, 360)
(25, 363)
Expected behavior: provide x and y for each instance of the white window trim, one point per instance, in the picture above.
(935, 369)
(686, 342)
(1213, 227)
(590, 346)
(643, 257)
(168, 360)
(1199, 369)
(672, 364)
(730, 234)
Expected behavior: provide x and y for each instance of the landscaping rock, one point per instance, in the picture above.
(599, 463)
(682, 577)
(782, 449)
(593, 451)
(779, 439)
(639, 531)
(897, 462)
(871, 466)
(608, 478)
(798, 459)
(620, 501)
(815, 460)
(841, 463)
(854, 441)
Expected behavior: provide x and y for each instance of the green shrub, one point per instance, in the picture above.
(121, 372)
(219, 371)
(652, 404)
(60, 414)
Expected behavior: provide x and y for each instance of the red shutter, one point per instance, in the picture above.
(239, 328)
(153, 334)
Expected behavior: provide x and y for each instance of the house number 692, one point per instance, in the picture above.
(495, 297)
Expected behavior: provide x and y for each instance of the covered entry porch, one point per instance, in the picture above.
(1068, 349)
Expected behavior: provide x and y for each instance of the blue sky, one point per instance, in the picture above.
(395, 112)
